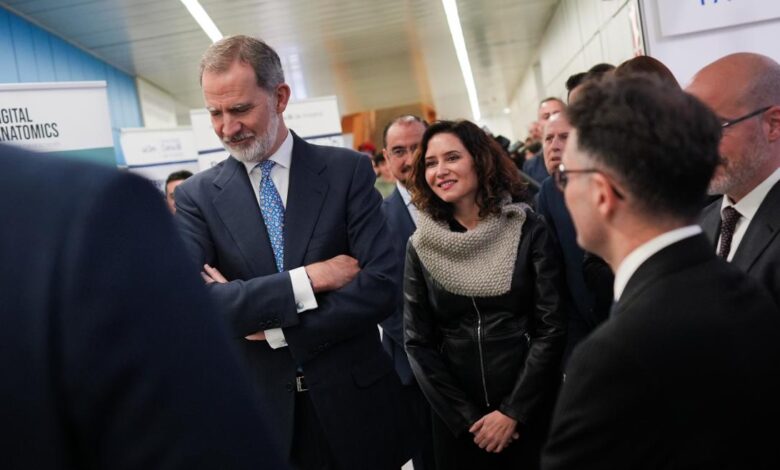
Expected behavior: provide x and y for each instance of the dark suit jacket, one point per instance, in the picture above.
(535, 168)
(401, 227)
(110, 351)
(583, 316)
(332, 208)
(684, 374)
(758, 253)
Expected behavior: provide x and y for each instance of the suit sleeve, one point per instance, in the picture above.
(147, 372)
(250, 305)
(423, 343)
(598, 419)
(363, 303)
(540, 375)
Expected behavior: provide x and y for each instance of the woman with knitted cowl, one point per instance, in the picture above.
(483, 315)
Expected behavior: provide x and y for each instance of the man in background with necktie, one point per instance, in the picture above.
(744, 91)
(292, 243)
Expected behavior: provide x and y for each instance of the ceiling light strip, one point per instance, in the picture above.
(203, 19)
(453, 20)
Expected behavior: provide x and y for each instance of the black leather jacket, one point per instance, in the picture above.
(472, 355)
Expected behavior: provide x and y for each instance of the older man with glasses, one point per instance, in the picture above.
(744, 91)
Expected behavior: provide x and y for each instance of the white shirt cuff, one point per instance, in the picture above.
(302, 291)
(275, 338)
(304, 300)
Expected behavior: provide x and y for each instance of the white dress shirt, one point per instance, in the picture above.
(636, 258)
(408, 201)
(747, 207)
(280, 175)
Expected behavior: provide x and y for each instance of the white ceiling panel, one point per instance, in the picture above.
(371, 53)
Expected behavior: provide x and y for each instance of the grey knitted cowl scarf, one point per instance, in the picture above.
(476, 263)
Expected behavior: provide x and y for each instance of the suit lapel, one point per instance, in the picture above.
(761, 231)
(305, 197)
(400, 212)
(710, 221)
(237, 207)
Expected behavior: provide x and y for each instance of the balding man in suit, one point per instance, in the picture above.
(744, 91)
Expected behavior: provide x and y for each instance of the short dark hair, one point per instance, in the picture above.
(405, 118)
(496, 173)
(574, 81)
(601, 69)
(377, 158)
(178, 175)
(248, 50)
(593, 73)
(660, 143)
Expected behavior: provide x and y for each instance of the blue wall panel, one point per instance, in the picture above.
(31, 54)
(43, 58)
(59, 51)
(21, 35)
(8, 70)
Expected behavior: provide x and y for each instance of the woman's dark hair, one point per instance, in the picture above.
(497, 175)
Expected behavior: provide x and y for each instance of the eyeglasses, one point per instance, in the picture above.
(399, 152)
(562, 178)
(726, 124)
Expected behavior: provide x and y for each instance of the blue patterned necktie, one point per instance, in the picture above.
(272, 209)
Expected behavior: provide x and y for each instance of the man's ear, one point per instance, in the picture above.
(773, 119)
(282, 94)
(606, 199)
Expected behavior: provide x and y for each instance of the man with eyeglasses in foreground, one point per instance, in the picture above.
(685, 373)
(744, 91)
(401, 138)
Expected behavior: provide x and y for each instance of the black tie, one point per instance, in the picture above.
(729, 219)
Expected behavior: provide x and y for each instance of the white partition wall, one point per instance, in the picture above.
(581, 34)
(687, 35)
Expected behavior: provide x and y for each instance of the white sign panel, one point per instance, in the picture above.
(55, 117)
(316, 117)
(685, 54)
(332, 141)
(689, 16)
(143, 147)
(156, 153)
(207, 145)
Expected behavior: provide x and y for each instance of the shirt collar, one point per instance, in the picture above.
(282, 156)
(404, 193)
(748, 205)
(636, 258)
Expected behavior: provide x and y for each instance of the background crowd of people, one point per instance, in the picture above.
(609, 300)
